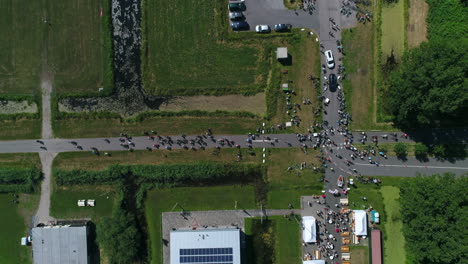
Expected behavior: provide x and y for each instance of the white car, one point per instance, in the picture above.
(262, 29)
(330, 61)
(327, 101)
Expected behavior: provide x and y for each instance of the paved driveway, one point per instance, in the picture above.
(271, 12)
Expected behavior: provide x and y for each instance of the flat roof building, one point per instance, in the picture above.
(60, 245)
(213, 246)
(282, 53)
(376, 244)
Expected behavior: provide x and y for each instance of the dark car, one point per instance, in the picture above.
(283, 27)
(236, 7)
(236, 16)
(239, 25)
(332, 81)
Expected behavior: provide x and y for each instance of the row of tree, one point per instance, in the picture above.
(435, 217)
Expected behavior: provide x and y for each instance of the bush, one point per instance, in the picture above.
(400, 150)
(113, 174)
(19, 180)
(420, 150)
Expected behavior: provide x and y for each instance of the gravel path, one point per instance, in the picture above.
(46, 87)
(43, 215)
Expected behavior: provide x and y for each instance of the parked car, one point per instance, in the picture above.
(235, 16)
(332, 81)
(236, 7)
(239, 25)
(262, 29)
(330, 61)
(283, 27)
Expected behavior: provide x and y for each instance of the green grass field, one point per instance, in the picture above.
(64, 199)
(79, 46)
(15, 224)
(194, 199)
(279, 237)
(164, 125)
(184, 52)
(394, 244)
(20, 129)
(21, 44)
(393, 29)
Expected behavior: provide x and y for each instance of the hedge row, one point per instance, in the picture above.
(19, 175)
(17, 188)
(168, 175)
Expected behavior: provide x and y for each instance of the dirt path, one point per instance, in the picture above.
(46, 87)
(43, 215)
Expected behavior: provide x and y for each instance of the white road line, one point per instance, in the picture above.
(412, 166)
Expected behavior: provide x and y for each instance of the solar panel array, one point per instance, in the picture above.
(206, 256)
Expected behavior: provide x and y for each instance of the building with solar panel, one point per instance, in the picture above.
(205, 246)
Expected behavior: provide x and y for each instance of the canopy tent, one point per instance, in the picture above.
(309, 233)
(317, 261)
(360, 222)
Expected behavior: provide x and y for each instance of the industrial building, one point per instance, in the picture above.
(60, 245)
(214, 246)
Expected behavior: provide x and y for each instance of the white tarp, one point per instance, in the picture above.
(309, 234)
(360, 222)
(317, 261)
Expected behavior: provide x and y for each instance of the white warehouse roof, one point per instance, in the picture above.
(213, 246)
(309, 234)
(360, 222)
(60, 245)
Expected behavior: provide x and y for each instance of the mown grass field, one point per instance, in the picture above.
(20, 129)
(75, 128)
(184, 52)
(393, 29)
(63, 204)
(277, 241)
(21, 42)
(79, 46)
(394, 247)
(191, 199)
(16, 218)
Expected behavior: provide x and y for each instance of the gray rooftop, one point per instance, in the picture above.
(59, 245)
(282, 53)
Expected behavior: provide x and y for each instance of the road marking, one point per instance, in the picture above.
(413, 166)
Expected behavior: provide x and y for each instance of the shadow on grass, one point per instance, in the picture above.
(93, 247)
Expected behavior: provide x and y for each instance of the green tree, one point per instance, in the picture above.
(430, 87)
(434, 218)
(439, 151)
(420, 150)
(400, 150)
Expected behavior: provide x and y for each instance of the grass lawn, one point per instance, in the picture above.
(20, 160)
(20, 129)
(359, 254)
(64, 201)
(385, 200)
(417, 27)
(79, 45)
(276, 241)
(394, 244)
(184, 52)
(21, 44)
(393, 29)
(16, 219)
(192, 199)
(284, 186)
(74, 128)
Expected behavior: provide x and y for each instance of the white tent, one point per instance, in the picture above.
(309, 234)
(360, 222)
(317, 261)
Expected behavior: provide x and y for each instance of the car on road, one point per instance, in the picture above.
(262, 29)
(235, 16)
(330, 60)
(239, 25)
(332, 81)
(283, 27)
(236, 7)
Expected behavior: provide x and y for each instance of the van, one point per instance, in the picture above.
(330, 60)
(236, 7)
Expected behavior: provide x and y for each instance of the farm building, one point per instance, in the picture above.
(214, 246)
(376, 238)
(60, 245)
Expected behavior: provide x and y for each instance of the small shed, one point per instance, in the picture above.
(282, 53)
